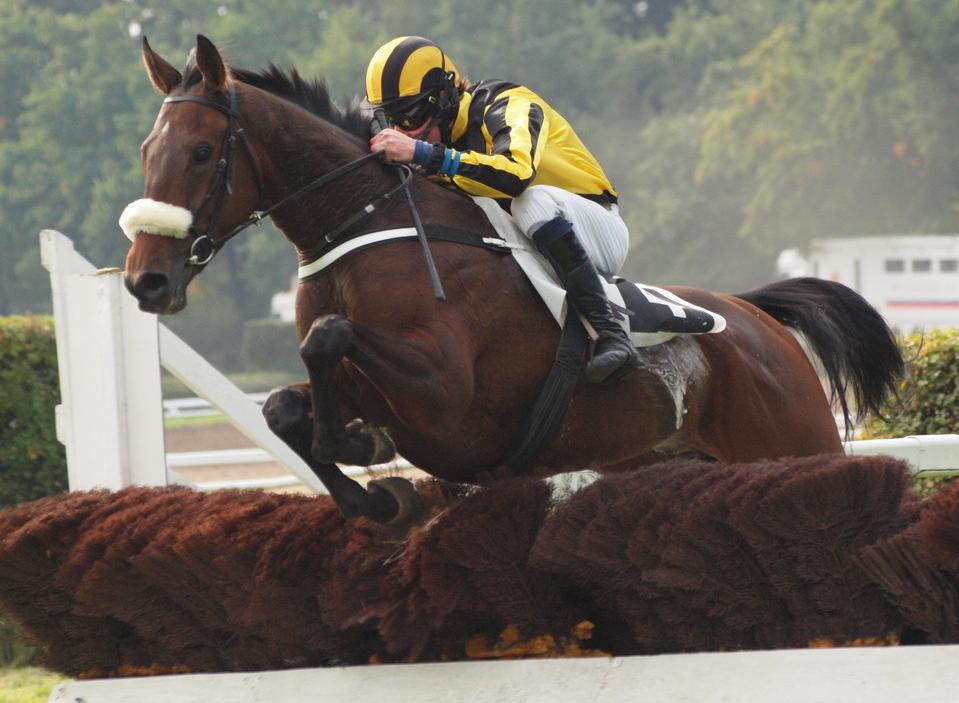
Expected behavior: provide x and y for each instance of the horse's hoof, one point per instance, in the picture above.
(408, 503)
(287, 412)
(365, 445)
(383, 448)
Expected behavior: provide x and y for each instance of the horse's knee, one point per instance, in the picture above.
(287, 413)
(327, 341)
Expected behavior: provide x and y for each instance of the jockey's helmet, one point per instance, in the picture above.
(412, 80)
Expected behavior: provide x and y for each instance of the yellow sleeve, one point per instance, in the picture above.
(512, 128)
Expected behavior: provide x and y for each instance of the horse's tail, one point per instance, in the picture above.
(851, 339)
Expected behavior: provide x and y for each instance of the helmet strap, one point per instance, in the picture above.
(448, 102)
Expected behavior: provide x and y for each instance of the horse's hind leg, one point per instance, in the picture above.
(324, 346)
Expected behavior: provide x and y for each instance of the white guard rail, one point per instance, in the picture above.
(854, 675)
(926, 453)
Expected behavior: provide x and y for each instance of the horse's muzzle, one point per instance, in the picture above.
(153, 290)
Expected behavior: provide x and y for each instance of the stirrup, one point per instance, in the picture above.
(631, 363)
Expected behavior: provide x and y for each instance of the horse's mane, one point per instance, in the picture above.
(311, 95)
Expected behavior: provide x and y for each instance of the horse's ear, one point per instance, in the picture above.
(163, 76)
(210, 63)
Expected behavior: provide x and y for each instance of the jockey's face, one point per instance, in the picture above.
(428, 132)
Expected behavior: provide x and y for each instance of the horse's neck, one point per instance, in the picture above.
(300, 147)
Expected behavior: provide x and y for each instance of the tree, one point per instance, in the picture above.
(845, 123)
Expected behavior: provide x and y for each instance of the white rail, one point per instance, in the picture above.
(109, 356)
(239, 457)
(925, 453)
(199, 407)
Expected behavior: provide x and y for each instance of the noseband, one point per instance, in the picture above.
(204, 246)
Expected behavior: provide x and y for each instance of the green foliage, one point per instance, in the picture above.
(928, 484)
(843, 121)
(32, 461)
(13, 652)
(929, 397)
(271, 345)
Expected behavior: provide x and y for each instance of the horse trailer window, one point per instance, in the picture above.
(921, 265)
(949, 265)
(895, 265)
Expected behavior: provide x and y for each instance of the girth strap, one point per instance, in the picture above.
(554, 398)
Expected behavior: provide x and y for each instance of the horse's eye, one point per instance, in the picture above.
(201, 154)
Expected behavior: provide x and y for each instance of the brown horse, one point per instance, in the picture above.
(452, 382)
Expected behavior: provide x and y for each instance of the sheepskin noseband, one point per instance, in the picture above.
(153, 217)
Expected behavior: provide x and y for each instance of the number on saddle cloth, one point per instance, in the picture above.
(653, 309)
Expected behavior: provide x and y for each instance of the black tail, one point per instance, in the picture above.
(851, 339)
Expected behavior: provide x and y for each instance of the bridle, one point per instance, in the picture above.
(205, 246)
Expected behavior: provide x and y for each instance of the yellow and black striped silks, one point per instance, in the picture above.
(505, 138)
(407, 67)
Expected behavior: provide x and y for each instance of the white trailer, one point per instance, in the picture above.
(913, 280)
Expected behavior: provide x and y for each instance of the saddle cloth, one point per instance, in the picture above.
(650, 315)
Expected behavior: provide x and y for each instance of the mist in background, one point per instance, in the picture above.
(731, 128)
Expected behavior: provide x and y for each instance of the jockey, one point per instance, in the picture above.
(502, 140)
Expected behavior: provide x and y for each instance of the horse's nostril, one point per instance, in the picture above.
(150, 286)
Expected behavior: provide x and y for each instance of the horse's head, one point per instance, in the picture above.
(200, 177)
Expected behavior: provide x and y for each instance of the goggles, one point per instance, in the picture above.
(415, 115)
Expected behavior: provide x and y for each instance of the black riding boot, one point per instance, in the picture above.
(613, 352)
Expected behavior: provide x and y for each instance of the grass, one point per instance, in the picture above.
(174, 422)
(27, 685)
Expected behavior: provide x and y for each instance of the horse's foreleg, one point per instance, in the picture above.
(327, 341)
(288, 414)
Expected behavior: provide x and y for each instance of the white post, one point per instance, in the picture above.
(111, 414)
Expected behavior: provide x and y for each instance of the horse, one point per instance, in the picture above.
(449, 384)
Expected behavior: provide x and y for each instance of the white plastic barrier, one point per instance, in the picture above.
(860, 675)
(923, 452)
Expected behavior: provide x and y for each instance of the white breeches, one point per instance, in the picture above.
(601, 231)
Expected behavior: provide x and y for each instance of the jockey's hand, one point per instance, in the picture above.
(397, 147)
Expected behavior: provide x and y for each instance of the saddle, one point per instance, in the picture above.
(650, 315)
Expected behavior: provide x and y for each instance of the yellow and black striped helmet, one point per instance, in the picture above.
(408, 67)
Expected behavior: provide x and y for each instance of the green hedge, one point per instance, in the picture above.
(32, 461)
(13, 652)
(271, 345)
(929, 396)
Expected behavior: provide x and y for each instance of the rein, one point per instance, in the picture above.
(204, 246)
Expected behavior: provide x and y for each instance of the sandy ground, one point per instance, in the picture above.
(196, 438)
